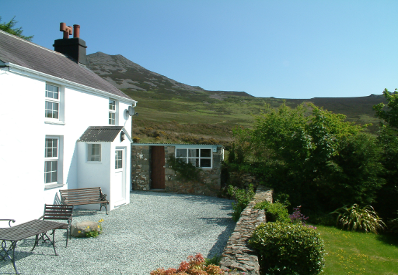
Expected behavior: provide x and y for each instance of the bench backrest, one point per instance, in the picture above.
(73, 196)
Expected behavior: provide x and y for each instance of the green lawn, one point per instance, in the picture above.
(359, 253)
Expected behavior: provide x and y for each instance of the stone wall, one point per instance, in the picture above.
(237, 255)
(210, 184)
(140, 167)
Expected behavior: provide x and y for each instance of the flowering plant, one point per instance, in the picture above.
(196, 266)
(92, 232)
(298, 217)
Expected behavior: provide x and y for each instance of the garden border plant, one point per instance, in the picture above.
(242, 199)
(287, 248)
(185, 171)
(356, 218)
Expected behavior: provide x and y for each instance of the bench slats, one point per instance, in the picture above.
(83, 196)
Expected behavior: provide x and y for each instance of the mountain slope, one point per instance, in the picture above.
(171, 111)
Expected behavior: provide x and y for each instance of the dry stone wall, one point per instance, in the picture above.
(238, 257)
(140, 164)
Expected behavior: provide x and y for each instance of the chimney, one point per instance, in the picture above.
(74, 48)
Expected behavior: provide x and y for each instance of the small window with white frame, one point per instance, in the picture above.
(52, 107)
(196, 156)
(112, 112)
(51, 160)
(94, 152)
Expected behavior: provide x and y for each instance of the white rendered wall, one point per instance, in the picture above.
(22, 139)
(21, 147)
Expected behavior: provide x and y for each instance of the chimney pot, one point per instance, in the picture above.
(67, 30)
(76, 31)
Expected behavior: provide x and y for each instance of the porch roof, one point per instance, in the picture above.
(102, 134)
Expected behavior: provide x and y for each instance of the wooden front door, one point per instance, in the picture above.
(158, 167)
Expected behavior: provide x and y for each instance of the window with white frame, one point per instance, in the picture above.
(198, 157)
(112, 112)
(118, 159)
(51, 159)
(93, 152)
(52, 102)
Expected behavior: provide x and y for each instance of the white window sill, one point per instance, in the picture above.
(54, 122)
(52, 186)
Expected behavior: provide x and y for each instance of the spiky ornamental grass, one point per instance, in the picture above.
(356, 218)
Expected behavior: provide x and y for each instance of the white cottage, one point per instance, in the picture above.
(61, 127)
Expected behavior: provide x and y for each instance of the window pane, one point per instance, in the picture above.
(54, 176)
(51, 148)
(112, 105)
(112, 118)
(55, 110)
(93, 152)
(181, 153)
(205, 162)
(194, 161)
(193, 152)
(118, 159)
(51, 110)
(50, 171)
(205, 153)
(52, 91)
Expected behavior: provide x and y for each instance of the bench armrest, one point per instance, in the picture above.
(103, 196)
(9, 221)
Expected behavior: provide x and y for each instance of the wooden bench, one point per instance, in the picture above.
(83, 196)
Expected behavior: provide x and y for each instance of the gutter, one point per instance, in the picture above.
(57, 80)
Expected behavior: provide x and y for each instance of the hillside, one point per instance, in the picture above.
(170, 111)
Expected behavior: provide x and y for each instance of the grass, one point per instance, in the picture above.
(359, 253)
(162, 109)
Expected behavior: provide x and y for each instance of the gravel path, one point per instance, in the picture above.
(154, 230)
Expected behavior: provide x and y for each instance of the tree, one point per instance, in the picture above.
(387, 204)
(9, 27)
(316, 157)
(389, 113)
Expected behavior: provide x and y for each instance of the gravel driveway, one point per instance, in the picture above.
(154, 230)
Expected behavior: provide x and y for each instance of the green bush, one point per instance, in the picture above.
(242, 198)
(186, 171)
(393, 225)
(356, 218)
(275, 212)
(286, 248)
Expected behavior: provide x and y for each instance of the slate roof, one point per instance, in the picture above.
(27, 54)
(101, 133)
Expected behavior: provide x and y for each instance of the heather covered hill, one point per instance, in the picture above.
(170, 111)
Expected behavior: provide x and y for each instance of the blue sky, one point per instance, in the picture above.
(269, 48)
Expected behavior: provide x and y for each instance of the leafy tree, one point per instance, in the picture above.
(315, 156)
(9, 27)
(387, 203)
(389, 113)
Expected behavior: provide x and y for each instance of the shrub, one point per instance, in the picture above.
(356, 218)
(242, 198)
(186, 171)
(286, 248)
(393, 225)
(298, 218)
(275, 212)
(195, 265)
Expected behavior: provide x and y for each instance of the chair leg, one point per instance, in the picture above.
(67, 236)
